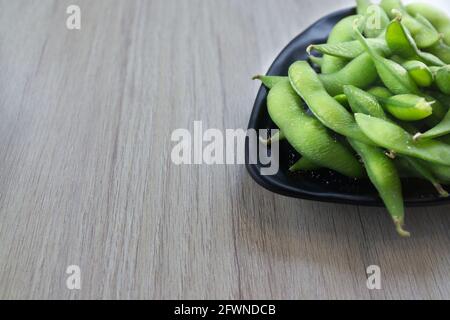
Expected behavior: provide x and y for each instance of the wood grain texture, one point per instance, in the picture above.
(86, 178)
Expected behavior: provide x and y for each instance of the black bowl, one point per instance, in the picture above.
(322, 185)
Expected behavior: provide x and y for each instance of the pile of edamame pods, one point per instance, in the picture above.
(380, 103)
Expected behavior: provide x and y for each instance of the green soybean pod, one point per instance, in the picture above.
(443, 79)
(363, 102)
(442, 129)
(333, 115)
(441, 50)
(380, 92)
(362, 6)
(408, 107)
(393, 75)
(304, 164)
(360, 72)
(318, 61)
(393, 137)
(401, 43)
(376, 21)
(424, 35)
(342, 32)
(420, 73)
(269, 81)
(384, 176)
(351, 49)
(436, 16)
(306, 134)
(343, 100)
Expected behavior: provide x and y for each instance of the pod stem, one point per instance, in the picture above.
(278, 137)
(391, 154)
(309, 49)
(417, 136)
(442, 192)
(398, 14)
(399, 224)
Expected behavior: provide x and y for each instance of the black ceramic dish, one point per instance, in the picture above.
(322, 185)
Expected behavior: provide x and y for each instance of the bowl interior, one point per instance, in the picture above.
(322, 185)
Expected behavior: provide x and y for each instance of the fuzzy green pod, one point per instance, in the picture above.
(439, 19)
(443, 79)
(306, 134)
(269, 81)
(424, 35)
(401, 43)
(392, 137)
(363, 102)
(408, 107)
(342, 32)
(333, 115)
(360, 72)
(420, 73)
(304, 164)
(380, 92)
(351, 49)
(384, 176)
(393, 75)
(376, 21)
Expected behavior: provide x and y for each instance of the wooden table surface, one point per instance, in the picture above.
(86, 176)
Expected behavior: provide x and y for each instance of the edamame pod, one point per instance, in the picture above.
(393, 137)
(363, 102)
(304, 164)
(420, 73)
(408, 107)
(380, 92)
(306, 134)
(269, 81)
(424, 36)
(351, 49)
(362, 6)
(443, 79)
(393, 75)
(360, 72)
(342, 32)
(384, 176)
(342, 99)
(306, 83)
(441, 50)
(401, 43)
(376, 21)
(316, 60)
(437, 17)
(442, 129)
